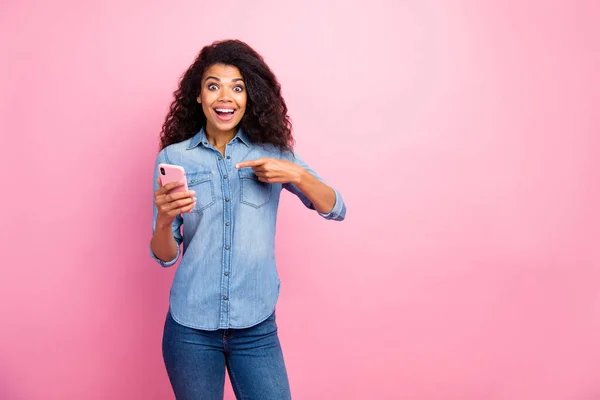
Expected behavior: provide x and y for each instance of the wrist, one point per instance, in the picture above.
(162, 225)
(301, 178)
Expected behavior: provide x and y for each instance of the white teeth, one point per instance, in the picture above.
(227, 110)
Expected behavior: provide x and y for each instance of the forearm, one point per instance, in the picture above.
(163, 243)
(319, 194)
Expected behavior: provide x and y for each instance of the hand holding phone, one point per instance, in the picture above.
(173, 174)
(173, 197)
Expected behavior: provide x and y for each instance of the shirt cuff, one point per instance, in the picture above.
(339, 209)
(166, 263)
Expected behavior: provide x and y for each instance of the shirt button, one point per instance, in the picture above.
(227, 199)
(227, 248)
(226, 223)
(220, 158)
(229, 157)
(224, 297)
(226, 273)
(225, 177)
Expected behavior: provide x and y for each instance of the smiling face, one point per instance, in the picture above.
(223, 98)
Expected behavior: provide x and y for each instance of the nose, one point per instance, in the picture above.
(224, 95)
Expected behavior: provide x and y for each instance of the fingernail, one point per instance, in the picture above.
(237, 166)
(195, 199)
(192, 192)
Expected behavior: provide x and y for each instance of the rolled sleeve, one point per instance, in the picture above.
(338, 213)
(169, 263)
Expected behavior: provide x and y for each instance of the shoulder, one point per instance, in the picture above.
(271, 151)
(264, 150)
(175, 153)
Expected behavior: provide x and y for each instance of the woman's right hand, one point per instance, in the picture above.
(170, 205)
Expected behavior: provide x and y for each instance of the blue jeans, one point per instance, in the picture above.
(196, 361)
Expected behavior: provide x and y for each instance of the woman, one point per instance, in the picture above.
(228, 128)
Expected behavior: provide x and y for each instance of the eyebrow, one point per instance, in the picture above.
(217, 79)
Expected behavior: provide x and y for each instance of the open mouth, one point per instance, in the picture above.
(224, 113)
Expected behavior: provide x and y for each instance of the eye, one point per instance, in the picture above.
(212, 86)
(238, 89)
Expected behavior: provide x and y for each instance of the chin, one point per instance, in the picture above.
(226, 127)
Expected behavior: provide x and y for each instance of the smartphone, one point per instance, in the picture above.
(172, 173)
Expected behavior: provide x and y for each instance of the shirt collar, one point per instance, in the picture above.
(243, 137)
(200, 137)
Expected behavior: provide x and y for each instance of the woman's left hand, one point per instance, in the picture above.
(273, 170)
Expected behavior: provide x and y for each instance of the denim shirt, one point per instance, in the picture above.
(227, 277)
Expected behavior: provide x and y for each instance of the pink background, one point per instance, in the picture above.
(464, 136)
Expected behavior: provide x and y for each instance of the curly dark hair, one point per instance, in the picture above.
(265, 120)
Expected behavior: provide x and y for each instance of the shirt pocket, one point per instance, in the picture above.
(252, 191)
(201, 182)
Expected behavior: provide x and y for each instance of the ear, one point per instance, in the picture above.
(199, 99)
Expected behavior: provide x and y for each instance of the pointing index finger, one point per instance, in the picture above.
(251, 163)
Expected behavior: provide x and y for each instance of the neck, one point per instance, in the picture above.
(219, 138)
